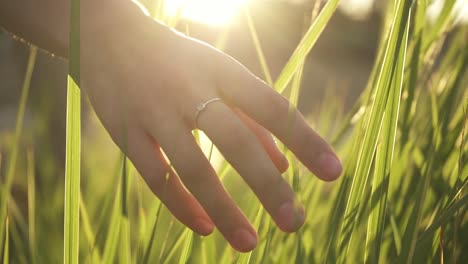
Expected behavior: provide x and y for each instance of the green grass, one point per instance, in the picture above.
(73, 144)
(402, 197)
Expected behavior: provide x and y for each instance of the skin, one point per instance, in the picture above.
(145, 82)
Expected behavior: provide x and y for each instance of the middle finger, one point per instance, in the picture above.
(201, 180)
(245, 153)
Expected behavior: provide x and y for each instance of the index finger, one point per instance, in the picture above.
(254, 97)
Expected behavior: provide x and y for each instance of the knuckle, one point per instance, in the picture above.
(240, 139)
(157, 182)
(270, 185)
(155, 175)
(195, 173)
(277, 103)
(198, 183)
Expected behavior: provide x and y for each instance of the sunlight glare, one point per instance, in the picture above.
(356, 9)
(460, 11)
(210, 12)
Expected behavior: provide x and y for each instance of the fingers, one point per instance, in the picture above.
(246, 154)
(266, 140)
(148, 160)
(272, 111)
(201, 180)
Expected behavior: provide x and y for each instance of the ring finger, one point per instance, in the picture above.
(245, 153)
(201, 180)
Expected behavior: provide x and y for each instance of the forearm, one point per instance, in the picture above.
(45, 23)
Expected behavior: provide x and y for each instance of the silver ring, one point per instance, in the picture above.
(202, 106)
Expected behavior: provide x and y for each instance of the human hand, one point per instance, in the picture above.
(146, 89)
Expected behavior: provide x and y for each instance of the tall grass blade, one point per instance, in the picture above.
(31, 204)
(396, 232)
(73, 144)
(112, 239)
(125, 250)
(114, 232)
(439, 28)
(258, 47)
(93, 253)
(148, 250)
(306, 44)
(187, 248)
(443, 218)
(174, 246)
(384, 159)
(354, 207)
(6, 248)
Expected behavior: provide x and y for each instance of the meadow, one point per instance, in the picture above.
(402, 196)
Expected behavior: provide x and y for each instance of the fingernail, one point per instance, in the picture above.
(243, 240)
(290, 217)
(204, 226)
(284, 164)
(330, 166)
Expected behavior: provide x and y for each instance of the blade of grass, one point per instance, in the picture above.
(105, 221)
(16, 243)
(115, 226)
(73, 144)
(93, 252)
(258, 47)
(148, 250)
(31, 205)
(300, 251)
(174, 246)
(6, 248)
(268, 238)
(187, 248)
(384, 159)
(461, 162)
(354, 207)
(410, 235)
(457, 200)
(395, 230)
(125, 250)
(244, 258)
(113, 234)
(306, 44)
(294, 98)
(162, 252)
(142, 222)
(440, 26)
(11, 165)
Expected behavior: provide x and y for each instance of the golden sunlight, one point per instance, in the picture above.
(210, 12)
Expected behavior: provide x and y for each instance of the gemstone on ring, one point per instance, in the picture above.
(201, 107)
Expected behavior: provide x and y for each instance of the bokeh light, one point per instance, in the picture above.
(357, 9)
(210, 12)
(460, 11)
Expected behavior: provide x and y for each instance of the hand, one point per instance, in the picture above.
(145, 85)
